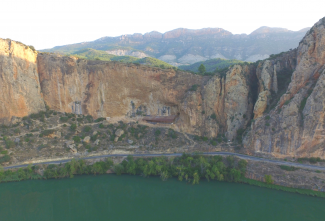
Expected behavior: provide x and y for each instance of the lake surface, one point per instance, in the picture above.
(111, 197)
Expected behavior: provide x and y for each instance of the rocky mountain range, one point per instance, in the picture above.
(185, 46)
(273, 107)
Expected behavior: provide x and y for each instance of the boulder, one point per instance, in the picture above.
(17, 140)
(68, 143)
(119, 132)
(94, 133)
(116, 139)
(86, 139)
(130, 141)
(96, 142)
(73, 148)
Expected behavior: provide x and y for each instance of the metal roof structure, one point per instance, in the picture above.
(160, 119)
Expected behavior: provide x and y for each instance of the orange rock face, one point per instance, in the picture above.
(111, 89)
(19, 84)
(295, 127)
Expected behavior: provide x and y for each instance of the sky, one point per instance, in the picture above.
(48, 23)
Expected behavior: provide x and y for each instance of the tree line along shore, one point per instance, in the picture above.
(188, 167)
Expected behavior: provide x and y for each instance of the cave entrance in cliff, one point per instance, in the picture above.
(160, 119)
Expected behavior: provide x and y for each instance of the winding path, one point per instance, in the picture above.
(246, 157)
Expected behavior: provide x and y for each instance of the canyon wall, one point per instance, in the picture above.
(19, 82)
(295, 126)
(111, 89)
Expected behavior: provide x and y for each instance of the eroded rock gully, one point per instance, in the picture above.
(278, 102)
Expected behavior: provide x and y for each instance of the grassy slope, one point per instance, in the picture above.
(210, 65)
(92, 54)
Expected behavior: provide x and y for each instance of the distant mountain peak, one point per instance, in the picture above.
(266, 30)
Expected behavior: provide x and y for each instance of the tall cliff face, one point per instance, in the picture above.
(295, 127)
(222, 105)
(110, 89)
(19, 81)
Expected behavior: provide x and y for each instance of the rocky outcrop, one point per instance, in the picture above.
(295, 126)
(19, 81)
(222, 105)
(121, 52)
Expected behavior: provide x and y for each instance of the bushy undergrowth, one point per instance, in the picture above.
(288, 168)
(187, 167)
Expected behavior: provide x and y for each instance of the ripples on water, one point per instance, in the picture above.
(111, 197)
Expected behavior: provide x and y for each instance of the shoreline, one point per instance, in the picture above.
(54, 171)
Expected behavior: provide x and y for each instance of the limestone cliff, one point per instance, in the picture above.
(19, 82)
(111, 89)
(295, 126)
(222, 105)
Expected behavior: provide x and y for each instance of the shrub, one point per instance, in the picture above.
(213, 142)
(239, 136)
(46, 133)
(203, 112)
(73, 127)
(194, 87)
(89, 118)
(4, 152)
(9, 144)
(17, 131)
(76, 139)
(5, 158)
(101, 126)
(157, 133)
(267, 117)
(213, 116)
(268, 179)
(288, 168)
(205, 138)
(303, 104)
(267, 124)
(87, 129)
(64, 119)
(32, 47)
(172, 133)
(100, 119)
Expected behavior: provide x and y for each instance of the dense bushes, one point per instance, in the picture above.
(46, 133)
(312, 160)
(187, 167)
(288, 168)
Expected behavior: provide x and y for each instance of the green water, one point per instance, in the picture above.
(111, 197)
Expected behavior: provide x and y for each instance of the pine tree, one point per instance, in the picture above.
(202, 69)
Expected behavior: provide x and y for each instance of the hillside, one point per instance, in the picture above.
(185, 46)
(92, 54)
(210, 65)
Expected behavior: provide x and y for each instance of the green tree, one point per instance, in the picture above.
(196, 178)
(268, 179)
(201, 69)
(118, 169)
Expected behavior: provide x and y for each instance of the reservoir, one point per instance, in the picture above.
(123, 198)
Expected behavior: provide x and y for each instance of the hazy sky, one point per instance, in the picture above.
(47, 23)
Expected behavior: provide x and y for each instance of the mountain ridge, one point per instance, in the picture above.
(187, 46)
